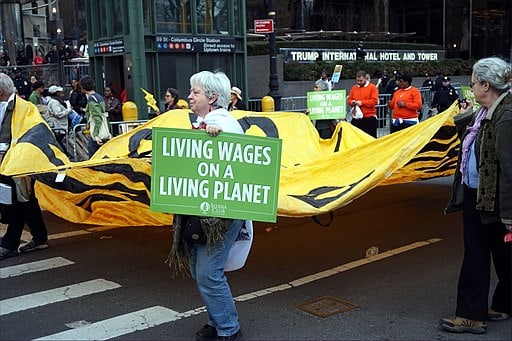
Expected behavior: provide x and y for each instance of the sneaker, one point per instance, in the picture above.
(236, 336)
(6, 253)
(496, 316)
(33, 245)
(458, 324)
(206, 333)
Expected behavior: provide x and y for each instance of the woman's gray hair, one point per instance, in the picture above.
(495, 71)
(6, 84)
(214, 82)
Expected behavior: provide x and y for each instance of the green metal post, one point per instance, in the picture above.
(134, 43)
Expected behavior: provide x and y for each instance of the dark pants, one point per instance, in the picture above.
(481, 241)
(60, 136)
(92, 147)
(325, 128)
(366, 124)
(20, 213)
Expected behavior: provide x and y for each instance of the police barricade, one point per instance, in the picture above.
(78, 138)
(383, 115)
(74, 70)
(47, 73)
(58, 73)
(297, 103)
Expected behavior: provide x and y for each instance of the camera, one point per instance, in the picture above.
(463, 103)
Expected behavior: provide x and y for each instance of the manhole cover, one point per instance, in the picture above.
(325, 306)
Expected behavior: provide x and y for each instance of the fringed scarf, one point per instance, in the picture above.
(178, 259)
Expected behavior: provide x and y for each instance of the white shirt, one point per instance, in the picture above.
(3, 107)
(223, 119)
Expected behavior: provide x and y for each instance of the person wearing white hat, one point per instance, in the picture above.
(236, 102)
(57, 113)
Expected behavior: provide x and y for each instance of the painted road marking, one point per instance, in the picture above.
(41, 298)
(42, 265)
(147, 318)
(119, 325)
(327, 273)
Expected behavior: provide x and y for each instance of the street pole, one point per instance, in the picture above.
(274, 81)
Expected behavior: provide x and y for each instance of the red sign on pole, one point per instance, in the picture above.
(264, 26)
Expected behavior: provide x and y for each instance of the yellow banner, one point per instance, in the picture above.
(317, 176)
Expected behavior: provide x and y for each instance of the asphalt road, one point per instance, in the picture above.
(113, 283)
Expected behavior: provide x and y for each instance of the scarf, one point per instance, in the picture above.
(469, 139)
(179, 256)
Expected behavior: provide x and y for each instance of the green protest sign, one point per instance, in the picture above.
(324, 105)
(468, 93)
(227, 176)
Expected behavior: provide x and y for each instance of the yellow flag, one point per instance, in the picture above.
(150, 100)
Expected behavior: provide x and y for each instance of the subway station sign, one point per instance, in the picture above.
(115, 46)
(195, 44)
(348, 55)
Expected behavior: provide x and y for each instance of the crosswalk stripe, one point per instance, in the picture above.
(150, 317)
(41, 298)
(26, 236)
(42, 265)
(119, 325)
(67, 234)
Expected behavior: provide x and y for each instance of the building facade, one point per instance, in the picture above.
(159, 44)
(156, 44)
(465, 28)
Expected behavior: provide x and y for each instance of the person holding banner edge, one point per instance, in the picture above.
(482, 189)
(204, 252)
(365, 96)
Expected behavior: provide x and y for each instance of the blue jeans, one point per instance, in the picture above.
(207, 268)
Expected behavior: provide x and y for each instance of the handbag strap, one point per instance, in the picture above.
(328, 224)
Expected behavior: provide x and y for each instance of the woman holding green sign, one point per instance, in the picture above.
(201, 244)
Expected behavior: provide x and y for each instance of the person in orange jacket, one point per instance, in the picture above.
(406, 103)
(365, 96)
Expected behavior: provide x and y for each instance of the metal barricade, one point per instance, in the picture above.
(77, 141)
(58, 73)
(72, 70)
(254, 104)
(383, 115)
(296, 103)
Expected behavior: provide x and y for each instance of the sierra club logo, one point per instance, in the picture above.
(204, 207)
(217, 210)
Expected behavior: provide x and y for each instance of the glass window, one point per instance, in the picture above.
(216, 61)
(173, 16)
(146, 14)
(237, 17)
(175, 71)
(102, 7)
(118, 17)
(212, 16)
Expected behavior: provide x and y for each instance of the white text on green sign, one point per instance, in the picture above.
(326, 104)
(230, 176)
